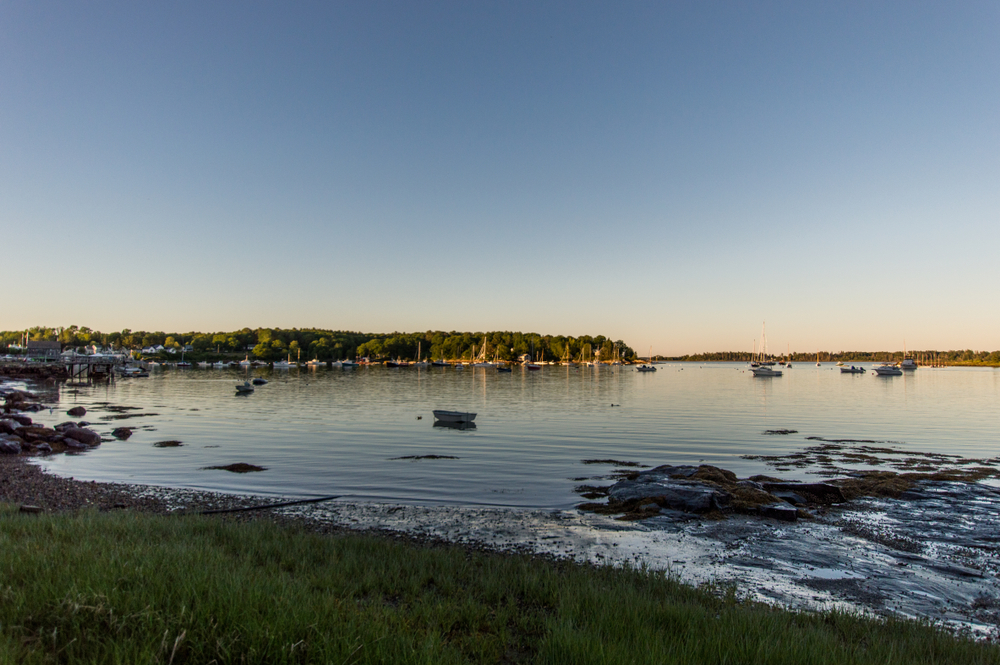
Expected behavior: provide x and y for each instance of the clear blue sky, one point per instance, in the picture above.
(669, 173)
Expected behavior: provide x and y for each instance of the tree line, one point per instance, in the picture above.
(269, 344)
(929, 357)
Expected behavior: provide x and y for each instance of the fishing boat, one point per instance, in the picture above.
(244, 388)
(852, 370)
(454, 416)
(887, 369)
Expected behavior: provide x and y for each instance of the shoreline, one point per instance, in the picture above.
(845, 561)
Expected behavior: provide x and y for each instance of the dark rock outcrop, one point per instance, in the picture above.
(77, 411)
(82, 435)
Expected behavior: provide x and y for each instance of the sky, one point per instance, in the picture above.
(672, 174)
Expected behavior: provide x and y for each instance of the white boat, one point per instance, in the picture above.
(284, 364)
(220, 365)
(454, 416)
(765, 370)
(245, 387)
(908, 364)
(204, 363)
(246, 361)
(315, 362)
(886, 369)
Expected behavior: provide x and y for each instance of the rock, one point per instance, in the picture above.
(121, 433)
(64, 426)
(9, 426)
(82, 435)
(83, 423)
(820, 492)
(663, 485)
(790, 497)
(168, 444)
(43, 447)
(75, 445)
(76, 411)
(781, 511)
(10, 445)
(239, 467)
(24, 421)
(35, 433)
(34, 408)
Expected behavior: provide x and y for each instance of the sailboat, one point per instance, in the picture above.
(648, 367)
(419, 362)
(817, 359)
(283, 364)
(531, 365)
(480, 360)
(908, 364)
(566, 360)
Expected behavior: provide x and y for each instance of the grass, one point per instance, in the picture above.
(131, 588)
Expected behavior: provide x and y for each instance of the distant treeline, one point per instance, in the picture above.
(960, 357)
(270, 344)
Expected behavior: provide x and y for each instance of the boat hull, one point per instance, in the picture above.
(454, 416)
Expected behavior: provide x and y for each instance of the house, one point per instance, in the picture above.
(44, 350)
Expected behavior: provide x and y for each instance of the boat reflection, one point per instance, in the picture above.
(451, 425)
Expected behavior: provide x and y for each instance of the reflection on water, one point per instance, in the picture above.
(450, 425)
(325, 431)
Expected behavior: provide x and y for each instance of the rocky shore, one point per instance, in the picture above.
(917, 542)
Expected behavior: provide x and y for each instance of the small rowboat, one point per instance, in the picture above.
(454, 416)
(245, 388)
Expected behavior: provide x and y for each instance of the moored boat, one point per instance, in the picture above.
(886, 369)
(765, 370)
(454, 416)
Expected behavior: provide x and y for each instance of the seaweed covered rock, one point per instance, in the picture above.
(709, 490)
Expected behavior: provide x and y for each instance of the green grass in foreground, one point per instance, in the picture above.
(127, 588)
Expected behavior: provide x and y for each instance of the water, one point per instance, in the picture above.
(332, 431)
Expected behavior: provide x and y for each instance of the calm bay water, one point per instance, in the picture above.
(332, 431)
